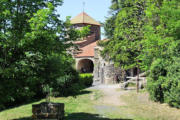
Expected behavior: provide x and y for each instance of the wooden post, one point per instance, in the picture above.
(137, 79)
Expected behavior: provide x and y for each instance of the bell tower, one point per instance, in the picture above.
(84, 56)
(83, 19)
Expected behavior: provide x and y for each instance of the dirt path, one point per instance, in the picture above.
(110, 101)
(128, 104)
(110, 95)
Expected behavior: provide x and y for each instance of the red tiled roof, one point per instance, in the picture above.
(87, 51)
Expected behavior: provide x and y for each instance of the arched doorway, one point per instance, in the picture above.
(85, 66)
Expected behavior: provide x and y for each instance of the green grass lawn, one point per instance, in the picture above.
(88, 106)
(80, 104)
(140, 107)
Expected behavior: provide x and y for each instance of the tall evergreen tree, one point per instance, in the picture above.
(109, 24)
(125, 30)
(147, 33)
(125, 45)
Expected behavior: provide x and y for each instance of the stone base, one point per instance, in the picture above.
(48, 111)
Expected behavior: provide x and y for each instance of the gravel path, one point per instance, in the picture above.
(110, 100)
(111, 94)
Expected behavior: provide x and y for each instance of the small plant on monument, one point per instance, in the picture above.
(48, 91)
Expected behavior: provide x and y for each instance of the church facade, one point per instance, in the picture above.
(85, 55)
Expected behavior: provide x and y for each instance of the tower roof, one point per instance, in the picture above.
(84, 18)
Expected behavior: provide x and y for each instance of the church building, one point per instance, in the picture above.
(87, 57)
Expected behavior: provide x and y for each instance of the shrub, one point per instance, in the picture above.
(156, 79)
(60, 75)
(131, 84)
(172, 84)
(86, 79)
(23, 84)
(164, 81)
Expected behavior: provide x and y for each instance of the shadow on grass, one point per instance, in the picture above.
(25, 118)
(88, 116)
(81, 92)
(80, 116)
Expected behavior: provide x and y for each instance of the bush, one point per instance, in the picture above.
(86, 79)
(60, 75)
(71, 83)
(156, 79)
(24, 84)
(172, 84)
(164, 81)
(131, 84)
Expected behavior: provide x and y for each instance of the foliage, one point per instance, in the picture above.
(33, 45)
(161, 51)
(147, 33)
(156, 79)
(125, 45)
(163, 82)
(109, 25)
(86, 79)
(60, 75)
(161, 31)
(131, 84)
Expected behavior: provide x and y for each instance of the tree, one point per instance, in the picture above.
(109, 25)
(31, 37)
(125, 45)
(146, 33)
(160, 51)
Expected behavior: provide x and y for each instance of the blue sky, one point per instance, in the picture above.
(97, 9)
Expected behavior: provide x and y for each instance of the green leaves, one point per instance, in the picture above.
(147, 33)
(161, 51)
(85, 31)
(30, 34)
(163, 82)
(125, 41)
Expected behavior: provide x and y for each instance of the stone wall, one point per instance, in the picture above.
(48, 111)
(104, 70)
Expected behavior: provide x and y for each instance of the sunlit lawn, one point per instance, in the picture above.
(80, 103)
(82, 107)
(140, 107)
